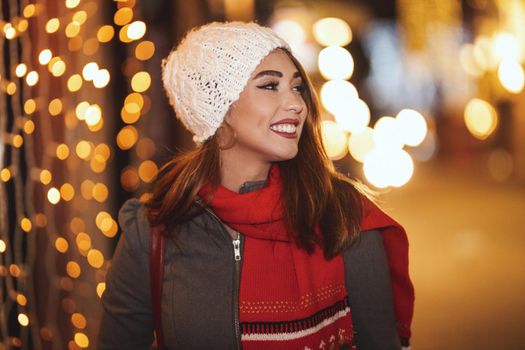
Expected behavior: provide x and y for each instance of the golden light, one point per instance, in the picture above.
(29, 127)
(29, 10)
(336, 96)
(96, 127)
(481, 118)
(53, 195)
(67, 192)
(62, 151)
(129, 179)
(29, 106)
(388, 167)
(123, 16)
(75, 43)
(148, 170)
(101, 216)
(361, 143)
(334, 139)
(141, 82)
(136, 30)
(26, 225)
(52, 25)
(45, 56)
(45, 176)
(483, 53)
(511, 75)
(72, 29)
(95, 258)
(77, 224)
(83, 149)
(74, 83)
(9, 31)
(101, 78)
(23, 320)
(100, 192)
(103, 150)
(387, 133)
(83, 242)
(72, 3)
(93, 114)
(32, 78)
(21, 300)
(41, 220)
(356, 117)
(506, 46)
(86, 188)
(61, 245)
(144, 50)
(135, 98)
(335, 63)
(20, 70)
(22, 26)
(468, 61)
(3, 246)
(81, 109)
(127, 137)
(18, 141)
(105, 33)
(101, 287)
(57, 67)
(5, 175)
(11, 88)
(97, 164)
(78, 320)
(14, 270)
(412, 126)
(90, 70)
(130, 113)
(80, 17)
(332, 31)
(73, 269)
(55, 107)
(291, 31)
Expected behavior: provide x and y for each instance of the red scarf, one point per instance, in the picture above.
(288, 298)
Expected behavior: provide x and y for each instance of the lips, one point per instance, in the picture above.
(286, 128)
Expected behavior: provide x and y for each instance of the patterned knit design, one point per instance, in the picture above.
(209, 69)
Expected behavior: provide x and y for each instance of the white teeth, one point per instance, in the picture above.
(288, 128)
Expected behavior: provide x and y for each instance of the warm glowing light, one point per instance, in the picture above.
(20, 70)
(9, 31)
(123, 16)
(57, 67)
(101, 78)
(32, 78)
(45, 176)
(5, 175)
(334, 139)
(29, 10)
(21, 300)
(29, 106)
(136, 30)
(83, 242)
(127, 137)
(74, 83)
(335, 63)
(81, 109)
(11, 88)
(22, 25)
(135, 98)
(141, 82)
(14, 270)
(129, 179)
(291, 31)
(483, 53)
(72, 3)
(101, 287)
(55, 107)
(80, 17)
(387, 133)
(93, 114)
(45, 56)
(144, 50)
(468, 61)
(100, 192)
(73, 269)
(78, 320)
(511, 76)
(336, 96)
(17, 141)
(67, 192)
(130, 113)
(61, 245)
(23, 320)
(89, 71)
(29, 127)
(388, 167)
(26, 225)
(332, 32)
(105, 33)
(481, 118)
(72, 29)
(3, 246)
(53, 195)
(52, 25)
(90, 47)
(41, 220)
(506, 46)
(75, 43)
(412, 126)
(356, 117)
(103, 151)
(361, 143)
(95, 258)
(86, 188)
(62, 151)
(83, 149)
(148, 170)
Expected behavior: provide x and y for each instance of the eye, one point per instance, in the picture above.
(299, 88)
(269, 86)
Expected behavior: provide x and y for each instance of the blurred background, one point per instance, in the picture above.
(422, 100)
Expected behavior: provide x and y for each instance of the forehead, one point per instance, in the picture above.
(277, 60)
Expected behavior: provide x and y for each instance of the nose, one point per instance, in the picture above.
(294, 102)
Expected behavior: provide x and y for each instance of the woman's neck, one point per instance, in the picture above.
(235, 172)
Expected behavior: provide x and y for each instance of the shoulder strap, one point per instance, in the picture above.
(156, 279)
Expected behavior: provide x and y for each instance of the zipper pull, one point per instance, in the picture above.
(237, 248)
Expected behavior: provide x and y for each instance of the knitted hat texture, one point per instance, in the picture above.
(209, 69)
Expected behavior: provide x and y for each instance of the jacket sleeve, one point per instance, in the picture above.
(370, 293)
(127, 321)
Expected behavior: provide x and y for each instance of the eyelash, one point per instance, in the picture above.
(272, 85)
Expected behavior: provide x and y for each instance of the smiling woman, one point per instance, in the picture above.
(259, 231)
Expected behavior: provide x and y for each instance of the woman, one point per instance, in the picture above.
(267, 246)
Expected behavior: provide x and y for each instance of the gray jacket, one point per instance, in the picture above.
(199, 301)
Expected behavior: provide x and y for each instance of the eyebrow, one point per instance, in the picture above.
(274, 73)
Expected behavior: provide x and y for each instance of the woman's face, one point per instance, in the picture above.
(269, 115)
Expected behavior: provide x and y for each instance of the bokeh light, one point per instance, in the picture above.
(335, 63)
(332, 31)
(334, 139)
(481, 118)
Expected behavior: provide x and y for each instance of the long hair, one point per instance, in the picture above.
(313, 193)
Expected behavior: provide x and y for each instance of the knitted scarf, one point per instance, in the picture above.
(289, 299)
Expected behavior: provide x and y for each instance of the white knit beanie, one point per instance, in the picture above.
(209, 69)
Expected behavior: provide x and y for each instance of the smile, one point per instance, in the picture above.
(285, 130)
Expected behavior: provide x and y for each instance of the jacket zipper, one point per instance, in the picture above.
(236, 280)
